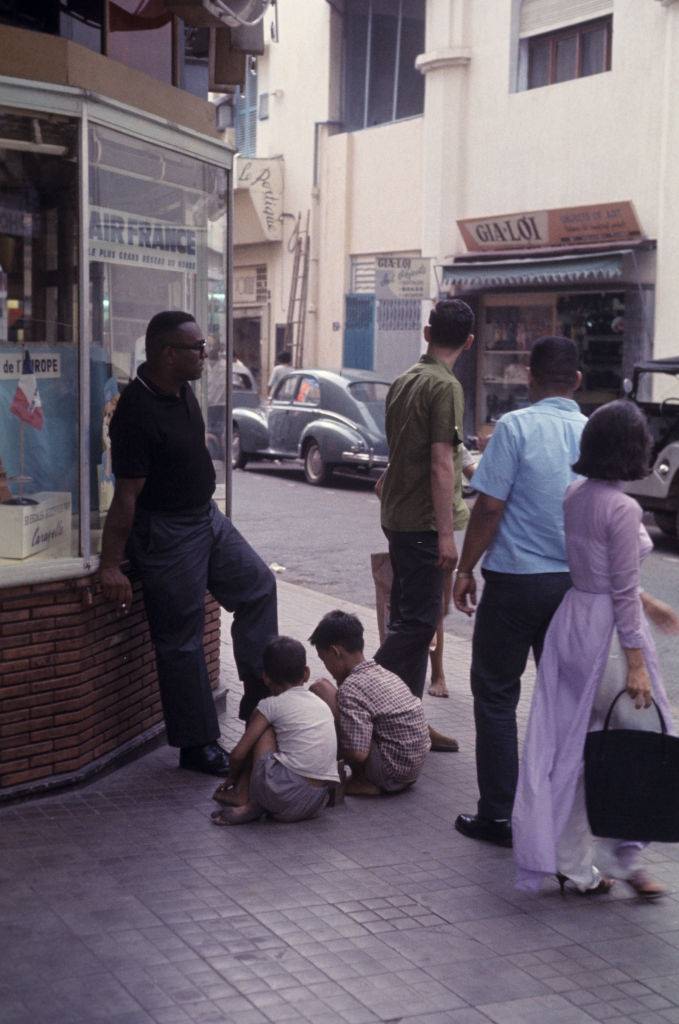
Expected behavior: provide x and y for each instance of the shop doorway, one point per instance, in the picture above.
(247, 344)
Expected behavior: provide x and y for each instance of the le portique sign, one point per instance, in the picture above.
(573, 225)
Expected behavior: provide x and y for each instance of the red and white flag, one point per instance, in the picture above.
(26, 403)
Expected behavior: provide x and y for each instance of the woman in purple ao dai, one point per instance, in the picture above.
(598, 643)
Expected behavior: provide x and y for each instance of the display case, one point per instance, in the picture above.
(596, 322)
(509, 325)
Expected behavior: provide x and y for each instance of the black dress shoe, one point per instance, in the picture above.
(475, 827)
(210, 759)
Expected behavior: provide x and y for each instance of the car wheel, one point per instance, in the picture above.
(668, 522)
(238, 459)
(315, 470)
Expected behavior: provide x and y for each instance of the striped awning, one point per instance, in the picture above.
(553, 271)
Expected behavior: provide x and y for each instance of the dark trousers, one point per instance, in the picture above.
(416, 595)
(512, 618)
(179, 558)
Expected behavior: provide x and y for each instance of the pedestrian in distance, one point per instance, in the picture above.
(163, 519)
(598, 644)
(285, 764)
(383, 735)
(282, 366)
(517, 521)
(424, 415)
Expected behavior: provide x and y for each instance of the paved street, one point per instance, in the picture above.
(324, 536)
(121, 904)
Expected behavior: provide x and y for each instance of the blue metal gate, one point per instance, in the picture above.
(359, 332)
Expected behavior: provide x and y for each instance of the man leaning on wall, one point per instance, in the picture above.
(163, 519)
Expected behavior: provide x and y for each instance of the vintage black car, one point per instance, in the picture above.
(655, 389)
(329, 420)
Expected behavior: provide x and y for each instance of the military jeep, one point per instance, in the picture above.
(655, 389)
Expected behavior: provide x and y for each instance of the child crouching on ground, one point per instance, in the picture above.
(382, 730)
(286, 761)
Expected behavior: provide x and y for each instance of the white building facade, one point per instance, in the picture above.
(521, 154)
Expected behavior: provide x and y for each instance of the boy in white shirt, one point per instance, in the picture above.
(286, 761)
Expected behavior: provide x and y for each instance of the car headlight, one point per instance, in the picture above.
(358, 446)
(663, 468)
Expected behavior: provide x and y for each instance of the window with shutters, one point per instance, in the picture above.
(574, 52)
(382, 40)
(560, 40)
(246, 112)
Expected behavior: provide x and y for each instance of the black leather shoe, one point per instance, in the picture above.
(475, 827)
(210, 759)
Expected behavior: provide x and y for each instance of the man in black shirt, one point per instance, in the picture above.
(162, 518)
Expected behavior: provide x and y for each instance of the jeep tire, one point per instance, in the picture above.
(668, 522)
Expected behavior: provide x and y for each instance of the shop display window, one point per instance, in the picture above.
(39, 357)
(596, 321)
(509, 325)
(157, 238)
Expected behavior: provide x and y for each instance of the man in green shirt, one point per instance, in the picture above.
(425, 406)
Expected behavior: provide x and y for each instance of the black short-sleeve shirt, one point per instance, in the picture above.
(161, 437)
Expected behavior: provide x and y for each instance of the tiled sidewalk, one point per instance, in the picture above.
(120, 903)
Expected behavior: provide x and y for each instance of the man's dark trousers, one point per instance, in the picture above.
(416, 595)
(179, 557)
(512, 617)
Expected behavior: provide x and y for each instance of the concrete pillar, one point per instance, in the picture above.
(445, 64)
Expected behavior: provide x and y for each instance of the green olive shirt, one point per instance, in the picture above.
(425, 405)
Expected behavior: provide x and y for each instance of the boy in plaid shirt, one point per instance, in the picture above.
(382, 730)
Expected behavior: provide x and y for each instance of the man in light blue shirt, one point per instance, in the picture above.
(518, 522)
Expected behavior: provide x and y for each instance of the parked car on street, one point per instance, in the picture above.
(655, 389)
(329, 420)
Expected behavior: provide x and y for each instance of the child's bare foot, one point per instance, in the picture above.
(361, 787)
(438, 688)
(237, 815)
(227, 795)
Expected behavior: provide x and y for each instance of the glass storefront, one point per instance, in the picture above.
(74, 306)
(39, 364)
(155, 220)
(510, 322)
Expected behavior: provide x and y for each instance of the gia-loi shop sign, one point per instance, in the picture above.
(573, 225)
(401, 277)
(117, 237)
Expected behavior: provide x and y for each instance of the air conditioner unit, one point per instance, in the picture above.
(216, 13)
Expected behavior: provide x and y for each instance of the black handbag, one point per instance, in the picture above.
(632, 782)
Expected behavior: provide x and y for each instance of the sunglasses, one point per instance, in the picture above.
(196, 346)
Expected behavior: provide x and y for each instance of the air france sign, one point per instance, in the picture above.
(131, 239)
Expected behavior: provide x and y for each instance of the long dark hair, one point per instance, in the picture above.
(616, 443)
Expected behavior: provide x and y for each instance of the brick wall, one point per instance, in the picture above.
(77, 680)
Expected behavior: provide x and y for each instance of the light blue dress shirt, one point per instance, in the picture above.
(527, 464)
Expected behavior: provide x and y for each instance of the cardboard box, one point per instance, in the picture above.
(26, 530)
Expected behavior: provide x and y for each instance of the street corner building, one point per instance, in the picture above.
(517, 153)
(114, 204)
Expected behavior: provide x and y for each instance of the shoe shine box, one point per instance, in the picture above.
(26, 530)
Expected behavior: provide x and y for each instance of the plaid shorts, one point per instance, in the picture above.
(375, 772)
(286, 795)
